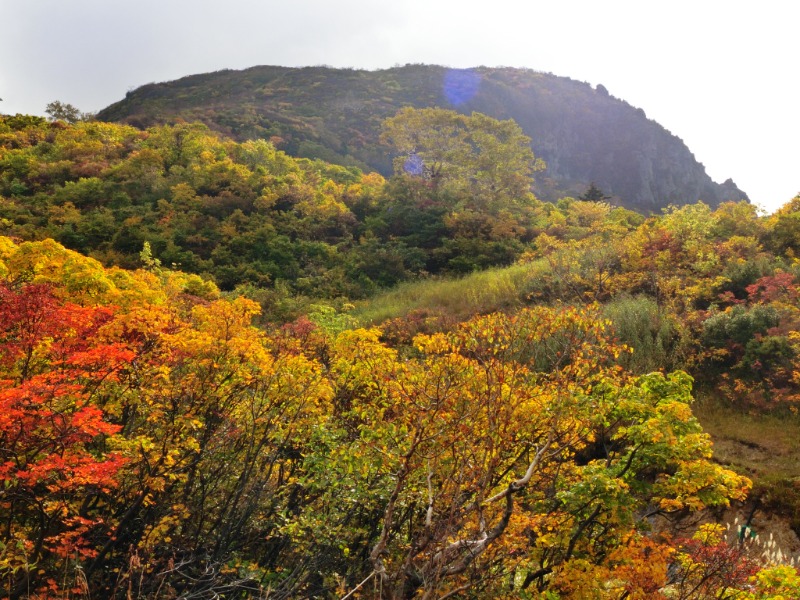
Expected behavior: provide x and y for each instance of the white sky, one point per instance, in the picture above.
(720, 74)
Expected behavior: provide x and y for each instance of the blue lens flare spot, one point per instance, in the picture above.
(414, 165)
(461, 85)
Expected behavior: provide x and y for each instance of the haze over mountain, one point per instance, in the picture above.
(584, 134)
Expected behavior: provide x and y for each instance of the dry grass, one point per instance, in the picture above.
(760, 445)
(766, 448)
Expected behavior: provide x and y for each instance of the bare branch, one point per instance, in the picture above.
(429, 513)
(517, 485)
(358, 587)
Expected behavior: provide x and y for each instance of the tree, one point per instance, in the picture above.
(63, 111)
(594, 194)
(488, 161)
(783, 231)
(55, 372)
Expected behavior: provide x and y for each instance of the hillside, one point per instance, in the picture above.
(583, 134)
(453, 386)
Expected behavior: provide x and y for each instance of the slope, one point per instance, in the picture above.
(583, 134)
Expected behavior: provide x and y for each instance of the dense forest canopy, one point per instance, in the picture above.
(228, 372)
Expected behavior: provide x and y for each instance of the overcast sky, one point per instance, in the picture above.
(720, 74)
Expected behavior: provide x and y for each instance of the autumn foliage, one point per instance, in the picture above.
(57, 373)
(157, 445)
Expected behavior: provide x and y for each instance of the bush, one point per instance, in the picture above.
(738, 325)
(651, 333)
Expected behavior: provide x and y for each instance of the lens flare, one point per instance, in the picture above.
(461, 85)
(414, 165)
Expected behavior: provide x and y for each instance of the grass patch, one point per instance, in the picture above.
(765, 447)
(756, 444)
(477, 293)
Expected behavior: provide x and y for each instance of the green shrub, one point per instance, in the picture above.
(738, 325)
(648, 330)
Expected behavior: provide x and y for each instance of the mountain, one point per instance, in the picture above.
(584, 134)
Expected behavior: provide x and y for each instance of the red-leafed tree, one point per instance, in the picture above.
(56, 370)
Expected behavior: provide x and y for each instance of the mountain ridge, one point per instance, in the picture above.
(584, 134)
